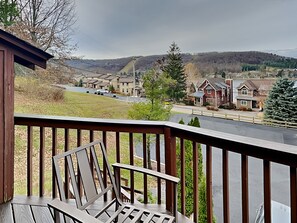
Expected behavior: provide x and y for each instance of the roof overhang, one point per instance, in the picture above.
(24, 53)
(243, 85)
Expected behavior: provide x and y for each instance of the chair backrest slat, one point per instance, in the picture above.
(112, 179)
(86, 174)
(59, 179)
(97, 167)
(73, 180)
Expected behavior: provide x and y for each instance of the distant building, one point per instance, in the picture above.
(212, 91)
(253, 93)
(126, 85)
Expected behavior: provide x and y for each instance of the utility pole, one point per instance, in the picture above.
(134, 81)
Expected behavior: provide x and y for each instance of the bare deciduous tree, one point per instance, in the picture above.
(47, 24)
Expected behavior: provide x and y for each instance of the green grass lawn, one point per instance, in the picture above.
(74, 104)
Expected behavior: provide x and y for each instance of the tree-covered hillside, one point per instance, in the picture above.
(205, 62)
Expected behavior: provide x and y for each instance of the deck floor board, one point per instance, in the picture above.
(23, 211)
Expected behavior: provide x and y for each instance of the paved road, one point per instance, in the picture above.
(280, 173)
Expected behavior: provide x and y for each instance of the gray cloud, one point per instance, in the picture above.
(116, 28)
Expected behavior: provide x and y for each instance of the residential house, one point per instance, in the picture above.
(252, 93)
(114, 81)
(212, 91)
(126, 85)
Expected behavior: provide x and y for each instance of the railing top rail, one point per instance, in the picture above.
(262, 149)
(272, 151)
(120, 125)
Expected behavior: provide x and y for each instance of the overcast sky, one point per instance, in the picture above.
(121, 28)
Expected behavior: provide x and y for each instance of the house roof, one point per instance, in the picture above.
(24, 53)
(93, 81)
(197, 94)
(95, 75)
(216, 83)
(259, 84)
(110, 77)
(103, 84)
(126, 80)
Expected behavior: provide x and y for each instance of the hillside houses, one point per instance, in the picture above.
(122, 84)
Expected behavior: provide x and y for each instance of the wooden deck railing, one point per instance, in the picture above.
(115, 134)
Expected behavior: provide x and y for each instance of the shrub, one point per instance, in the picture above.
(212, 108)
(242, 108)
(188, 102)
(206, 104)
(228, 106)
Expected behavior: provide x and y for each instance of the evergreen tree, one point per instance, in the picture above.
(189, 188)
(175, 69)
(80, 83)
(8, 12)
(281, 103)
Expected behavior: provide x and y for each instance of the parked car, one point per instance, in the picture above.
(102, 91)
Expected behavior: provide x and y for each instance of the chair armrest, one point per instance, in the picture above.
(146, 171)
(72, 212)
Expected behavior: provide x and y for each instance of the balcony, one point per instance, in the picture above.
(44, 136)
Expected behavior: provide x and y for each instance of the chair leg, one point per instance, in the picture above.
(13, 214)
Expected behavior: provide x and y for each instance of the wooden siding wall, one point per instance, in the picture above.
(6, 124)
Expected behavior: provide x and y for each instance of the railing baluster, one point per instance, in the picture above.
(195, 180)
(78, 143)
(118, 150)
(29, 160)
(267, 192)
(54, 152)
(182, 176)
(91, 137)
(209, 182)
(104, 140)
(293, 194)
(145, 166)
(131, 163)
(41, 162)
(244, 188)
(158, 158)
(226, 187)
(66, 148)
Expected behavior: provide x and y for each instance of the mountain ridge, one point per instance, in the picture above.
(208, 62)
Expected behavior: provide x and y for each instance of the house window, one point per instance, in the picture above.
(208, 91)
(244, 91)
(243, 103)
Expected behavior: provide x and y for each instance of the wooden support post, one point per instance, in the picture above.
(12, 49)
(6, 124)
(170, 167)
